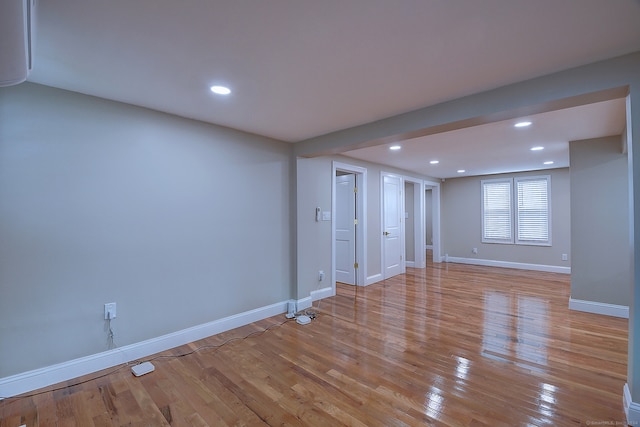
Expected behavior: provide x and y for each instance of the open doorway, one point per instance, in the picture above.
(414, 223)
(428, 203)
(431, 203)
(349, 225)
(346, 221)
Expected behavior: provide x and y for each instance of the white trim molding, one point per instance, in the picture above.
(599, 308)
(419, 223)
(49, 375)
(322, 293)
(373, 279)
(434, 186)
(508, 264)
(304, 303)
(307, 302)
(631, 408)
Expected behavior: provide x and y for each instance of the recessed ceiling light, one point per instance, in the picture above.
(548, 162)
(434, 162)
(395, 147)
(461, 171)
(538, 148)
(522, 124)
(220, 90)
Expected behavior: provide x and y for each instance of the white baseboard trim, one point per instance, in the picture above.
(508, 264)
(307, 302)
(631, 409)
(373, 279)
(599, 308)
(322, 293)
(304, 303)
(43, 377)
(411, 264)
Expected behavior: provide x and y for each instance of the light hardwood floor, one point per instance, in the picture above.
(452, 345)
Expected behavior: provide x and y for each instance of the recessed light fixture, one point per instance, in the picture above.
(538, 148)
(395, 147)
(220, 90)
(461, 171)
(523, 124)
(549, 162)
(434, 162)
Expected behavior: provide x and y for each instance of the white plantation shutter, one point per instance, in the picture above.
(532, 210)
(520, 206)
(496, 211)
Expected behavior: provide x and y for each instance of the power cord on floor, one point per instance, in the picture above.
(110, 340)
(4, 400)
(214, 346)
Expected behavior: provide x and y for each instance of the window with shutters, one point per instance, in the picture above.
(517, 210)
(533, 215)
(496, 211)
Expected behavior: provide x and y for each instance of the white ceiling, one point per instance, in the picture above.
(303, 68)
(500, 147)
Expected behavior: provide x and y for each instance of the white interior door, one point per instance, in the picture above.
(345, 229)
(392, 233)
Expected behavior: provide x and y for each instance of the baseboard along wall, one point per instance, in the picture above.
(43, 377)
(508, 264)
(599, 308)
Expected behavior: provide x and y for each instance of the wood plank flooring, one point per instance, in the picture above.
(451, 345)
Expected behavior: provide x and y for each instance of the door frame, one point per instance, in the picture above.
(361, 216)
(435, 217)
(419, 222)
(346, 227)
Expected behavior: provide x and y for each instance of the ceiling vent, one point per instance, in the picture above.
(17, 30)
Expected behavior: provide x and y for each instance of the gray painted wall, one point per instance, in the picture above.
(314, 238)
(462, 226)
(599, 221)
(105, 202)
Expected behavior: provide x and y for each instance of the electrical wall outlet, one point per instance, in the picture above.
(474, 250)
(320, 276)
(110, 311)
(565, 257)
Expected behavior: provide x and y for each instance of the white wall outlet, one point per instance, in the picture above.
(474, 250)
(110, 311)
(565, 257)
(320, 276)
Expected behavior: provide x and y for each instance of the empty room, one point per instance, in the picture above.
(356, 212)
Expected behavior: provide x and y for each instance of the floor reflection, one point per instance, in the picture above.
(434, 403)
(516, 327)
